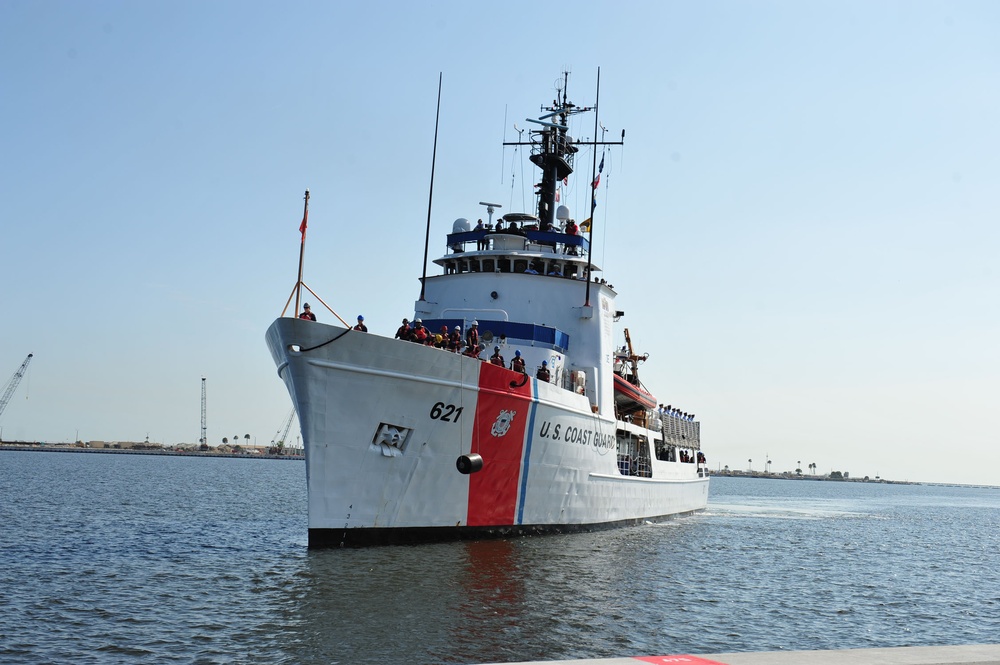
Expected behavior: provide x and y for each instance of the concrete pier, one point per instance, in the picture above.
(978, 654)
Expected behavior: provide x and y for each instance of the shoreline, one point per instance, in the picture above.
(828, 479)
(69, 448)
(47, 448)
(792, 476)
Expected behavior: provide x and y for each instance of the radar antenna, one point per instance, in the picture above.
(490, 209)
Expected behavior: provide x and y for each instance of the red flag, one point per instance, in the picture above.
(304, 224)
(600, 169)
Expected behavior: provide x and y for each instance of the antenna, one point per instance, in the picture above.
(430, 195)
(490, 209)
(593, 194)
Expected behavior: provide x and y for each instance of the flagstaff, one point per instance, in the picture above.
(302, 251)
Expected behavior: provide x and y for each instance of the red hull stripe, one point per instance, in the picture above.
(498, 435)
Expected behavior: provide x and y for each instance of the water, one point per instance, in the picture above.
(127, 558)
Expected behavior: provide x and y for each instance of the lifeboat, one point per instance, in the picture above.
(630, 398)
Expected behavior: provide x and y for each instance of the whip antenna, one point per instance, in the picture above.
(430, 196)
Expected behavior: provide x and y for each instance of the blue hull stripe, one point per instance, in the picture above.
(527, 451)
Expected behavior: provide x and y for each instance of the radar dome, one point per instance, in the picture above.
(461, 225)
(562, 213)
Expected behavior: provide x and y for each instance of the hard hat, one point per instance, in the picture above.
(306, 306)
(497, 349)
(475, 323)
(406, 321)
(518, 353)
(458, 327)
(417, 321)
(360, 318)
(544, 363)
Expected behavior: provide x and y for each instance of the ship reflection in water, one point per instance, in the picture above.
(466, 602)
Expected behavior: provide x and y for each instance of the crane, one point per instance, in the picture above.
(204, 423)
(12, 384)
(278, 442)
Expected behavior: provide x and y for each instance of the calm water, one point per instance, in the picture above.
(126, 558)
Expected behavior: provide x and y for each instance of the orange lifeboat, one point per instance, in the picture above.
(630, 398)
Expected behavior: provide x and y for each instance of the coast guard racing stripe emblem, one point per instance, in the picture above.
(502, 424)
(498, 435)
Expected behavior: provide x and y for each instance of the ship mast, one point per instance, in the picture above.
(554, 152)
(553, 149)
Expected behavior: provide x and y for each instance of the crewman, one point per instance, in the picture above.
(517, 364)
(307, 313)
(361, 327)
(543, 372)
(472, 335)
(455, 340)
(419, 334)
(403, 332)
(496, 358)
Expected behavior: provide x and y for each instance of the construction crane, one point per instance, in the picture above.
(11, 386)
(278, 442)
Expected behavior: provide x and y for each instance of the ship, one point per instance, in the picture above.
(505, 406)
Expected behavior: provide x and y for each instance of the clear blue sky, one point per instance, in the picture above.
(802, 225)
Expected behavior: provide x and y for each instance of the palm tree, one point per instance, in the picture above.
(225, 440)
(798, 467)
(246, 437)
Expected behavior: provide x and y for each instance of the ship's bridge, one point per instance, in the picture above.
(518, 244)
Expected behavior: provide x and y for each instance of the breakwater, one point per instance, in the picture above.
(47, 448)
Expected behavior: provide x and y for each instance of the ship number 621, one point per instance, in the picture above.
(446, 412)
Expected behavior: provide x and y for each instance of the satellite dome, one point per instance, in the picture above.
(562, 213)
(461, 225)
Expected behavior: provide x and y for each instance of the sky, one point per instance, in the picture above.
(802, 225)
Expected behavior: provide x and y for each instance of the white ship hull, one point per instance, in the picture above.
(385, 421)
